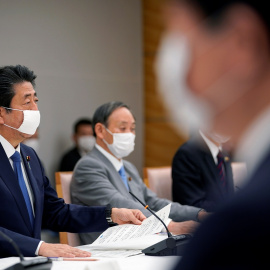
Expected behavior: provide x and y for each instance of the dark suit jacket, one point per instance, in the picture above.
(69, 160)
(49, 209)
(195, 176)
(237, 236)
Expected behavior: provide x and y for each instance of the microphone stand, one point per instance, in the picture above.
(173, 245)
(151, 211)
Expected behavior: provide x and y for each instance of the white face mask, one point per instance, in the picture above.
(31, 120)
(123, 144)
(86, 143)
(32, 142)
(186, 110)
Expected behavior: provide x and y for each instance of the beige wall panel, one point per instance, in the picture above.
(161, 140)
(162, 143)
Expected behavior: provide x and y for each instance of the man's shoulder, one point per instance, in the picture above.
(31, 156)
(193, 147)
(128, 164)
(261, 174)
(27, 150)
(71, 152)
(96, 154)
(93, 158)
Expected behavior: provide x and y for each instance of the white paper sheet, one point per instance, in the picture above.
(130, 236)
(115, 253)
(130, 244)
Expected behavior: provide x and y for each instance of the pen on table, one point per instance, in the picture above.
(72, 259)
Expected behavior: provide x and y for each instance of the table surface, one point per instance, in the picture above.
(141, 262)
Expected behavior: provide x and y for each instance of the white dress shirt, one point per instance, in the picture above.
(212, 147)
(115, 162)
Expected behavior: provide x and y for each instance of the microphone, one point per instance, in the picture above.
(173, 245)
(148, 208)
(33, 264)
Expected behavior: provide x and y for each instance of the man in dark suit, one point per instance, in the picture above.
(196, 169)
(224, 48)
(27, 199)
(84, 142)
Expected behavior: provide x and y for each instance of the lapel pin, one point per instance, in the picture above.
(226, 159)
(28, 159)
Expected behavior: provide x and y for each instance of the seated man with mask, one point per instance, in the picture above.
(103, 177)
(202, 172)
(27, 199)
(84, 142)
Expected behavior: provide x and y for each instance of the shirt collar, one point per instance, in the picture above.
(8, 148)
(212, 147)
(115, 162)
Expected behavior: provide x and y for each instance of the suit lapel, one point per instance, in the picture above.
(116, 176)
(33, 183)
(212, 167)
(129, 178)
(9, 178)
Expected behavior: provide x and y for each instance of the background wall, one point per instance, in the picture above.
(85, 53)
(161, 138)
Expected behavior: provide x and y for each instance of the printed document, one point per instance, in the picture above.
(129, 236)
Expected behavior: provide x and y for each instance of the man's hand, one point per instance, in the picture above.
(126, 216)
(203, 215)
(60, 250)
(184, 227)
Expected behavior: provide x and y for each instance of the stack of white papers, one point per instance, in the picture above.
(127, 240)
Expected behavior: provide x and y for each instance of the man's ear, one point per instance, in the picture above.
(99, 130)
(249, 48)
(1, 115)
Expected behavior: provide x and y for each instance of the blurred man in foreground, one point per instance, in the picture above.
(215, 62)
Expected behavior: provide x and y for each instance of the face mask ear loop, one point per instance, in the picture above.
(10, 126)
(108, 130)
(12, 109)
(110, 133)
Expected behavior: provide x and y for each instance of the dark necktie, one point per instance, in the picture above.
(123, 176)
(220, 167)
(16, 158)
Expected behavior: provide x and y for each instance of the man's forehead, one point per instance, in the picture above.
(126, 122)
(117, 121)
(24, 89)
(122, 114)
